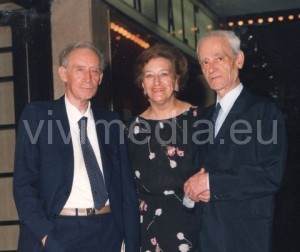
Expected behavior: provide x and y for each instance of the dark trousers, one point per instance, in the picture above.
(95, 233)
(84, 234)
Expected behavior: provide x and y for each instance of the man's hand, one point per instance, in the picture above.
(205, 196)
(196, 187)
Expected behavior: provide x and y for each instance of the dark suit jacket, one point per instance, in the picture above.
(245, 172)
(44, 171)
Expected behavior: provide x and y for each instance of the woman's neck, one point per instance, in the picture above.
(166, 110)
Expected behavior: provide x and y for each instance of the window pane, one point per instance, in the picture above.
(130, 2)
(177, 13)
(7, 108)
(162, 13)
(9, 212)
(7, 149)
(5, 34)
(6, 66)
(9, 238)
(189, 23)
(148, 9)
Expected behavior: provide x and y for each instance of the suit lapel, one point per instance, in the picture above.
(61, 131)
(233, 115)
(104, 147)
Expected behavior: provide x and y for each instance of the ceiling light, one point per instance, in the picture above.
(240, 23)
(280, 18)
(230, 24)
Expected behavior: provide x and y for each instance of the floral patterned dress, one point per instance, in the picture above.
(163, 156)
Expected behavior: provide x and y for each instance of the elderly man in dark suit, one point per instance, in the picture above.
(242, 155)
(73, 184)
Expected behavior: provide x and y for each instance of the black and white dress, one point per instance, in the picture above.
(163, 156)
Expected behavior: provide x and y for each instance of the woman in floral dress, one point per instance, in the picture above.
(163, 152)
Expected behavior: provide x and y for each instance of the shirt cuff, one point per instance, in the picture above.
(208, 186)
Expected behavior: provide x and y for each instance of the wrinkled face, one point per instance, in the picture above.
(159, 81)
(219, 65)
(81, 75)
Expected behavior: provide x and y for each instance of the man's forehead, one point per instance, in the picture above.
(84, 66)
(215, 48)
(83, 53)
(84, 59)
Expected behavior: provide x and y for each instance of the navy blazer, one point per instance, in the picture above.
(44, 164)
(246, 165)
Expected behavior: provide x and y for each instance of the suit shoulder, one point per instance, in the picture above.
(105, 114)
(254, 98)
(261, 100)
(38, 106)
(262, 104)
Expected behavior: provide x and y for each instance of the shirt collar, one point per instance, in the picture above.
(74, 115)
(228, 100)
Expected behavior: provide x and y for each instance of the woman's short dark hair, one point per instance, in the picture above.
(178, 61)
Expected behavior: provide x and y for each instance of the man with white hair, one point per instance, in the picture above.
(243, 157)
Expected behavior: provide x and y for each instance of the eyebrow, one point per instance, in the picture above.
(164, 69)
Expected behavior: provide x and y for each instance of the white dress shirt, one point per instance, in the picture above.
(226, 104)
(81, 194)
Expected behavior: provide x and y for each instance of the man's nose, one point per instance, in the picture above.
(212, 66)
(88, 75)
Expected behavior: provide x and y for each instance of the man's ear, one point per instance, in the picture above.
(100, 79)
(62, 71)
(240, 60)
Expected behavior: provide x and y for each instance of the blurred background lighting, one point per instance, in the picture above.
(260, 20)
(128, 35)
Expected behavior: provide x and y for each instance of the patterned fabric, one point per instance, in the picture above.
(99, 192)
(162, 153)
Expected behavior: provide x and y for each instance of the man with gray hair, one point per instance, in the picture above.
(73, 183)
(242, 157)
